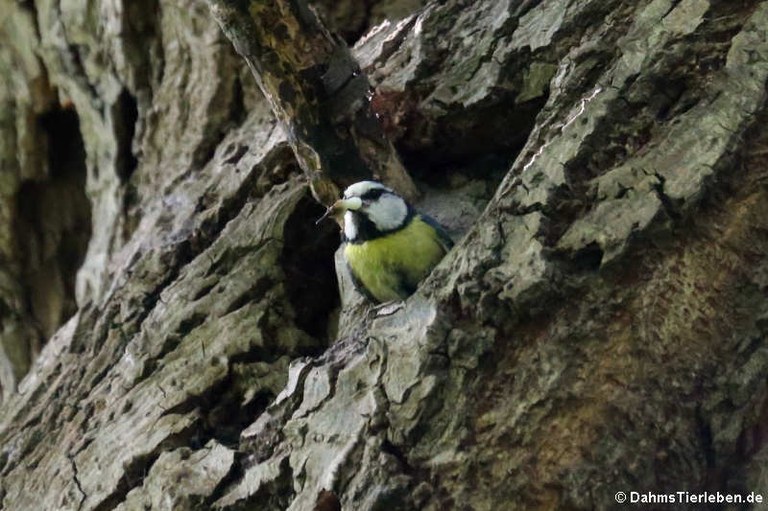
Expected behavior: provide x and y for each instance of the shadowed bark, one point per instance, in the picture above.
(599, 327)
(316, 89)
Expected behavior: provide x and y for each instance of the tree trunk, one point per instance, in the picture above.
(599, 328)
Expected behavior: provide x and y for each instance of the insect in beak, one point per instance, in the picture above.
(338, 208)
(328, 212)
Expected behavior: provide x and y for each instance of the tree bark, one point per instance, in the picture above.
(317, 91)
(599, 328)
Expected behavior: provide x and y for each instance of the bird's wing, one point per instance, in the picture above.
(402, 288)
(445, 240)
(358, 283)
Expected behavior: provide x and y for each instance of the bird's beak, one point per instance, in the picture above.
(338, 208)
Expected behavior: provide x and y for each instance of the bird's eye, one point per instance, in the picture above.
(372, 195)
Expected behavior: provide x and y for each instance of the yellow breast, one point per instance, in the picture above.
(391, 267)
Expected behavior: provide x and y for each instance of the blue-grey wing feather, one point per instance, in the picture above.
(359, 283)
(445, 239)
(404, 289)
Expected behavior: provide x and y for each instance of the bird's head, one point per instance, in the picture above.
(368, 210)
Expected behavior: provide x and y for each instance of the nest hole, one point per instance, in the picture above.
(53, 223)
(307, 260)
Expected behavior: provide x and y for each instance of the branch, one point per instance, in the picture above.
(316, 89)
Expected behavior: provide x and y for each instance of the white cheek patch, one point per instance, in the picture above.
(388, 212)
(350, 229)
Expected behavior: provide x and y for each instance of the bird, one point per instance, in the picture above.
(388, 246)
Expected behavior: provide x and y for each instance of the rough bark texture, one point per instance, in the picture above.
(353, 18)
(317, 91)
(600, 327)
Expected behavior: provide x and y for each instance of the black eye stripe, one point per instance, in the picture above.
(373, 194)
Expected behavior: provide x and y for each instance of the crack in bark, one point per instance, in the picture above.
(72, 60)
(138, 467)
(666, 202)
(78, 485)
(234, 474)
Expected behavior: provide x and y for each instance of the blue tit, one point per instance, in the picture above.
(388, 246)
